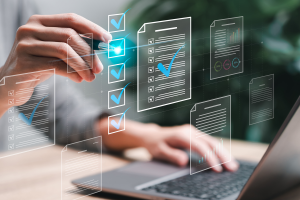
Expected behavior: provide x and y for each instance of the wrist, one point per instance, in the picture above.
(135, 135)
(148, 134)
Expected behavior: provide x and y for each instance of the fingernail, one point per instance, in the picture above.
(106, 37)
(233, 165)
(92, 77)
(218, 168)
(182, 160)
(100, 65)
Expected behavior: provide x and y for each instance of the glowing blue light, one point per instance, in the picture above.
(118, 50)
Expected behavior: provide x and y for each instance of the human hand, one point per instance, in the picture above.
(42, 41)
(165, 143)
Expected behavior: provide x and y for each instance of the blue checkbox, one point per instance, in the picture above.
(116, 48)
(117, 72)
(116, 97)
(116, 22)
(117, 121)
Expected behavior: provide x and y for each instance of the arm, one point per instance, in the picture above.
(75, 115)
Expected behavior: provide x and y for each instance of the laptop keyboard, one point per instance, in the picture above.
(206, 185)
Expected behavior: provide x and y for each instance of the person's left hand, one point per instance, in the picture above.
(165, 143)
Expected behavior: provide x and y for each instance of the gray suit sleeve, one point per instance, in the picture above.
(75, 115)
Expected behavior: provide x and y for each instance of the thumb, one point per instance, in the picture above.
(172, 155)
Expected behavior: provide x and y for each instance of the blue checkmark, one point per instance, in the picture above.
(161, 67)
(115, 99)
(24, 118)
(115, 74)
(115, 124)
(117, 25)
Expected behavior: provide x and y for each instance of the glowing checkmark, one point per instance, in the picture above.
(165, 71)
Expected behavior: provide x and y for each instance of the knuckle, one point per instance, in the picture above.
(62, 49)
(33, 18)
(177, 137)
(160, 150)
(71, 17)
(67, 32)
(22, 31)
(22, 46)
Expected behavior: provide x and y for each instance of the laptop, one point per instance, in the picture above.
(277, 172)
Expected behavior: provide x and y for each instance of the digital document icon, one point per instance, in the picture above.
(116, 123)
(163, 63)
(226, 47)
(261, 99)
(116, 22)
(213, 118)
(77, 161)
(81, 54)
(33, 127)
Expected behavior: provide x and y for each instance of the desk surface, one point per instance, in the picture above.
(37, 175)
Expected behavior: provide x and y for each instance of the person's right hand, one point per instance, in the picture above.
(41, 44)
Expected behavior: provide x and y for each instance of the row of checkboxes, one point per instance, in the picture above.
(11, 102)
(11, 119)
(151, 70)
(116, 98)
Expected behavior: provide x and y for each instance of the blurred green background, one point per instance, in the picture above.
(271, 46)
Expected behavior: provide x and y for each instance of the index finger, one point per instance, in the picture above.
(76, 22)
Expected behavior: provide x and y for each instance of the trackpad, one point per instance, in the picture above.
(151, 168)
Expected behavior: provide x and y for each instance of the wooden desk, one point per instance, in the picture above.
(37, 175)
